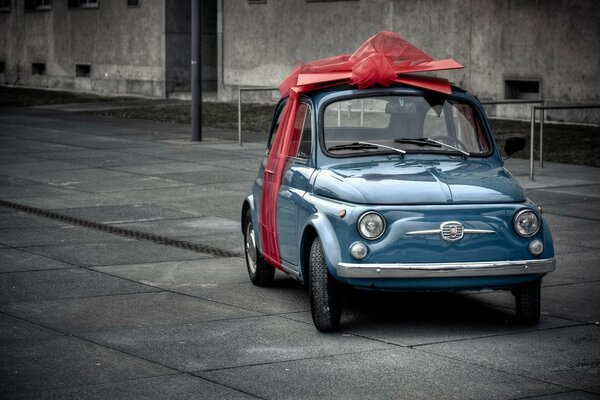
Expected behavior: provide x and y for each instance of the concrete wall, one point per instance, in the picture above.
(125, 54)
(178, 45)
(554, 41)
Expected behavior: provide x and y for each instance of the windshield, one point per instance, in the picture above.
(410, 123)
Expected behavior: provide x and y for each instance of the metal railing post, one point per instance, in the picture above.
(542, 116)
(239, 116)
(531, 144)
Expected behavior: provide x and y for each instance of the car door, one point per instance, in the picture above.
(294, 183)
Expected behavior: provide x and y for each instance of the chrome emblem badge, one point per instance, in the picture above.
(452, 231)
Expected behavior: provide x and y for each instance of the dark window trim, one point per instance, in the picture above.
(5, 6)
(38, 68)
(257, 1)
(136, 5)
(77, 5)
(83, 70)
(512, 89)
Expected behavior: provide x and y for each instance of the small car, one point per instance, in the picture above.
(396, 188)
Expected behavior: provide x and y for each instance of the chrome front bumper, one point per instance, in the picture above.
(446, 270)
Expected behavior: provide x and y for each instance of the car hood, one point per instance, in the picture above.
(418, 182)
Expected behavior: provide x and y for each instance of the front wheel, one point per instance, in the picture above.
(527, 302)
(261, 273)
(325, 301)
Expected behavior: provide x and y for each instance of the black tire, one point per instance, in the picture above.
(261, 273)
(527, 302)
(325, 300)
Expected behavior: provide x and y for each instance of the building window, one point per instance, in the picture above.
(38, 69)
(133, 3)
(522, 89)
(83, 3)
(325, 1)
(4, 5)
(83, 70)
(2, 67)
(257, 1)
(38, 5)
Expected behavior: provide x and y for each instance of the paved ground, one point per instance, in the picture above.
(89, 314)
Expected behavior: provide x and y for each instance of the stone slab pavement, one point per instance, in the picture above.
(88, 314)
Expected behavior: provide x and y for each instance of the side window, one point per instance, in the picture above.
(305, 145)
(275, 127)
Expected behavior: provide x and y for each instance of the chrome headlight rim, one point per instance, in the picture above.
(360, 221)
(518, 215)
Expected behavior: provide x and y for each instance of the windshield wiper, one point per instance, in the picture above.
(418, 142)
(431, 142)
(364, 145)
(352, 146)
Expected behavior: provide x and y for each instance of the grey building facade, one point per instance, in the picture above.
(511, 49)
(137, 47)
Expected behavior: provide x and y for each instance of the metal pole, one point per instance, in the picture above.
(531, 139)
(240, 116)
(542, 116)
(196, 72)
(362, 112)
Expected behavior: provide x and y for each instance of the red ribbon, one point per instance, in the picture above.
(383, 59)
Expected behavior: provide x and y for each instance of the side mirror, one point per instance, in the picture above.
(513, 144)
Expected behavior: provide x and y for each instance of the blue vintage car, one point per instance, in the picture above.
(398, 188)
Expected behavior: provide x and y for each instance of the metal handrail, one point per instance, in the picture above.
(247, 89)
(542, 109)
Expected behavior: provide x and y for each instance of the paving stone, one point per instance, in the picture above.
(566, 356)
(117, 214)
(187, 227)
(222, 175)
(14, 331)
(574, 302)
(18, 219)
(98, 180)
(67, 361)
(285, 295)
(575, 267)
(101, 158)
(166, 168)
(570, 395)
(183, 274)
(571, 233)
(73, 199)
(226, 344)
(585, 210)
(397, 373)
(63, 283)
(64, 234)
(106, 313)
(14, 260)
(177, 386)
(118, 252)
(33, 189)
(24, 169)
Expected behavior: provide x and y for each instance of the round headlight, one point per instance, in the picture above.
(371, 225)
(526, 223)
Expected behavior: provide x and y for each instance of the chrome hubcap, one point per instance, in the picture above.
(250, 248)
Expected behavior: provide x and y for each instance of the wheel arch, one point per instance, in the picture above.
(319, 226)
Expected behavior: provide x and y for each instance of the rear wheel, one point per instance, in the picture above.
(527, 302)
(325, 301)
(261, 273)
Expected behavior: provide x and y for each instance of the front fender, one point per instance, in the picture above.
(331, 246)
